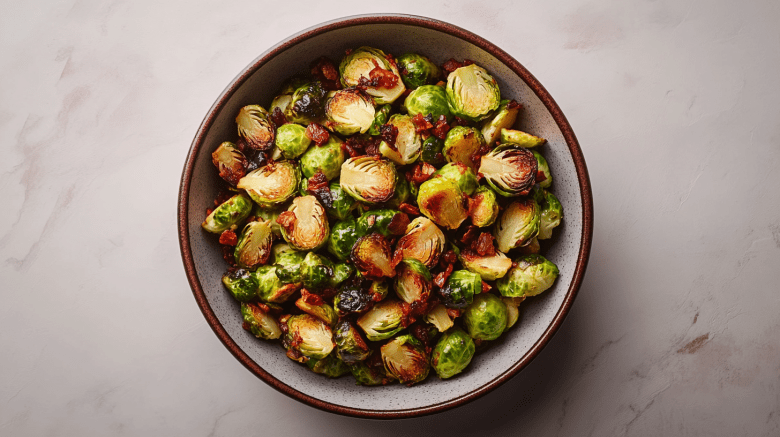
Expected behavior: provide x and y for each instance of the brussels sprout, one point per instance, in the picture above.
(440, 318)
(255, 127)
(342, 204)
(509, 169)
(485, 318)
(306, 104)
(544, 168)
(254, 246)
(371, 371)
(532, 275)
(232, 212)
(350, 345)
(442, 201)
(504, 119)
(408, 143)
(309, 336)
(487, 267)
(461, 287)
(512, 312)
(413, 282)
(382, 321)
(230, 162)
(272, 184)
(483, 207)
(372, 255)
(472, 93)
(330, 366)
(351, 299)
(522, 139)
(432, 151)
(417, 70)
(423, 241)
(461, 144)
(242, 284)
(342, 237)
(359, 64)
(314, 305)
(316, 271)
(376, 220)
(380, 118)
(292, 140)
(304, 224)
(282, 102)
(428, 100)
(368, 179)
(453, 353)
(326, 158)
(405, 359)
(459, 173)
(518, 224)
(341, 272)
(271, 288)
(350, 111)
(403, 190)
(551, 215)
(378, 290)
(288, 263)
(259, 321)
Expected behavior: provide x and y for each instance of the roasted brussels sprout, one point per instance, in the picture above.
(405, 359)
(342, 204)
(230, 213)
(485, 318)
(520, 138)
(255, 127)
(432, 151)
(270, 216)
(368, 179)
(377, 220)
(461, 144)
(442, 201)
(440, 318)
(509, 169)
(461, 287)
(330, 366)
(378, 290)
(342, 237)
(453, 353)
(307, 104)
(351, 299)
(242, 284)
(413, 282)
(316, 271)
(350, 345)
(428, 100)
(292, 140)
(512, 312)
(254, 246)
(489, 267)
(369, 375)
(230, 162)
(517, 225)
(350, 111)
(423, 241)
(271, 288)
(408, 143)
(314, 305)
(532, 275)
(372, 255)
(459, 173)
(504, 119)
(381, 116)
(551, 215)
(288, 263)
(543, 168)
(417, 70)
(382, 321)
(364, 61)
(326, 158)
(282, 101)
(259, 321)
(304, 224)
(472, 93)
(272, 184)
(483, 207)
(308, 336)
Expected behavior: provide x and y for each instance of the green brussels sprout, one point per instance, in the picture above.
(377, 220)
(509, 169)
(368, 179)
(255, 127)
(432, 151)
(403, 190)
(242, 284)
(307, 104)
(351, 299)
(408, 143)
(341, 272)
(488, 267)
(271, 288)
(381, 116)
(282, 102)
(504, 119)
(359, 64)
(270, 216)
(372, 256)
(413, 283)
(472, 93)
(326, 158)
(314, 305)
(423, 241)
(512, 311)
(259, 321)
(304, 224)
(330, 366)
(520, 138)
(440, 318)
(292, 140)
(254, 246)
(483, 207)
(378, 290)
(316, 271)
(229, 214)
(273, 184)
(417, 70)
(350, 345)
(382, 321)
(453, 353)
(288, 263)
(308, 336)
(342, 204)
(405, 359)
(461, 287)
(428, 100)
(370, 372)
(459, 173)
(342, 237)
(485, 318)
(442, 201)
(350, 111)
(517, 225)
(230, 162)
(461, 144)
(544, 168)
(551, 215)
(532, 275)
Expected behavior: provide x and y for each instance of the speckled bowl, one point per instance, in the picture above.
(397, 34)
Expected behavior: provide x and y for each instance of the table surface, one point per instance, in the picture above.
(674, 332)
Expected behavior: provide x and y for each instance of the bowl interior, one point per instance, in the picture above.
(258, 85)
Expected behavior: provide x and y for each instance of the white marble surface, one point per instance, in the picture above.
(676, 328)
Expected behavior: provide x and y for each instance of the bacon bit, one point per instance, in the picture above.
(513, 105)
(441, 278)
(324, 70)
(246, 326)
(421, 123)
(278, 117)
(440, 128)
(420, 173)
(479, 153)
(209, 211)
(452, 312)
(229, 238)
(389, 134)
(391, 60)
(327, 293)
(451, 65)
(409, 209)
(470, 235)
(398, 224)
(318, 187)
(458, 122)
(310, 298)
(348, 52)
(317, 133)
(372, 149)
(467, 62)
(286, 220)
(408, 318)
(222, 197)
(484, 245)
(227, 255)
(540, 176)
(449, 257)
(381, 78)
(486, 287)
(420, 332)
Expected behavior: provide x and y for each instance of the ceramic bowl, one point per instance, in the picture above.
(396, 34)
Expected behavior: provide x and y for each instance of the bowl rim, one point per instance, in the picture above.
(414, 20)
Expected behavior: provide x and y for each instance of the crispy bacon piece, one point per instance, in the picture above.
(222, 197)
(228, 238)
(454, 313)
(470, 235)
(457, 121)
(486, 287)
(317, 133)
(476, 157)
(422, 123)
(451, 65)
(409, 209)
(484, 245)
(467, 62)
(318, 187)
(372, 149)
(398, 224)
(278, 117)
(389, 134)
(381, 78)
(286, 220)
(324, 70)
(311, 298)
(441, 277)
(449, 257)
(420, 173)
(440, 128)
(227, 255)
(513, 105)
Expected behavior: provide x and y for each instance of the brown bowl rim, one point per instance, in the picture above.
(517, 68)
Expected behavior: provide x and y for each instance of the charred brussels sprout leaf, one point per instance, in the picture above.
(309, 336)
(382, 321)
(408, 143)
(242, 284)
(504, 119)
(413, 282)
(461, 287)
(292, 140)
(417, 70)
(428, 100)
(342, 237)
(509, 169)
(380, 117)
(351, 299)
(232, 212)
(304, 224)
(255, 127)
(259, 321)
(452, 353)
(350, 111)
(368, 63)
(405, 359)
(330, 366)
(442, 201)
(432, 151)
(522, 139)
(532, 275)
(307, 103)
(230, 162)
(342, 204)
(254, 247)
(461, 144)
(551, 215)
(440, 318)
(423, 241)
(472, 93)
(326, 158)
(488, 267)
(272, 184)
(350, 344)
(517, 225)
(544, 169)
(368, 179)
(459, 173)
(372, 255)
(483, 208)
(485, 318)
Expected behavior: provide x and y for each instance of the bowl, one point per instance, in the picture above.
(540, 317)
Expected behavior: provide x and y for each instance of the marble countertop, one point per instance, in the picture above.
(674, 332)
